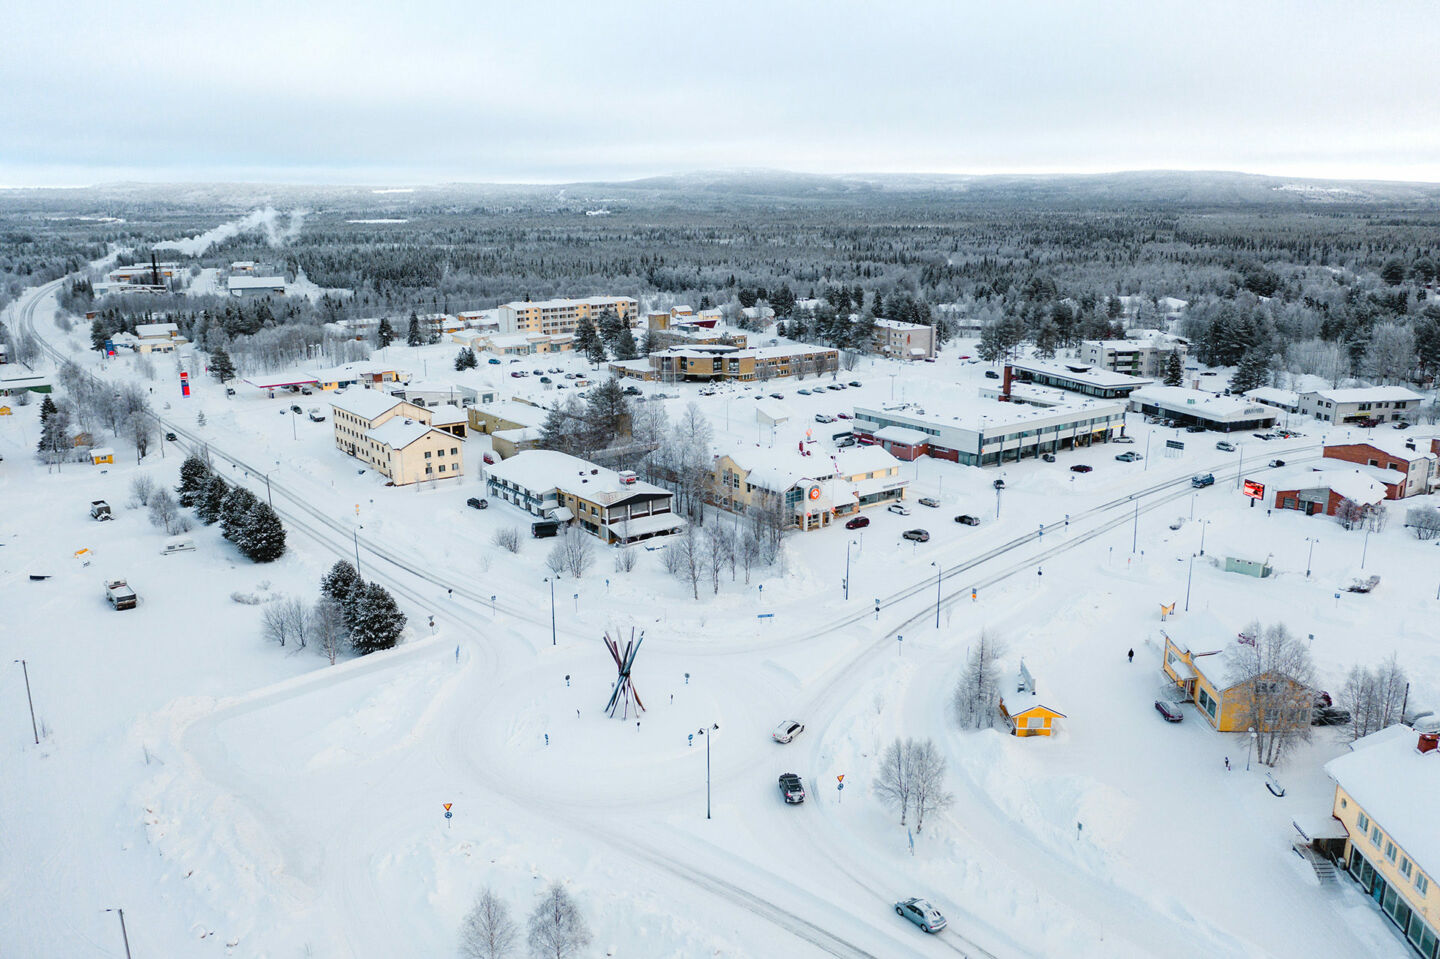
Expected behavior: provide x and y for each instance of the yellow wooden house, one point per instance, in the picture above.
(1034, 720)
(102, 454)
(1217, 681)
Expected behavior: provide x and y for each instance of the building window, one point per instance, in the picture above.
(1389, 850)
(427, 454)
(442, 467)
(1375, 836)
(1422, 883)
(1406, 867)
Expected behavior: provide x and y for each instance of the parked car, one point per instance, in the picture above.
(792, 789)
(1129, 457)
(998, 484)
(296, 409)
(920, 912)
(1400, 425)
(1225, 446)
(1263, 436)
(316, 416)
(787, 731)
(965, 519)
(859, 522)
(170, 437)
(824, 418)
(930, 501)
(229, 391)
(1202, 480)
(628, 391)
(854, 382)
(489, 459)
(1081, 468)
(306, 391)
(843, 416)
(476, 502)
(1194, 429)
(1048, 457)
(900, 509)
(916, 535)
(516, 373)
(991, 375)
(1170, 711)
(1329, 716)
(545, 528)
(1123, 439)
(1276, 463)
(777, 396)
(546, 379)
(802, 392)
(494, 361)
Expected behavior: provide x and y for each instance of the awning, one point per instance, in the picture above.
(1315, 827)
(563, 514)
(647, 525)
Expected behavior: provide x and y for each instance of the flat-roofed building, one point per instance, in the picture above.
(563, 316)
(1082, 378)
(249, 287)
(1187, 407)
(987, 434)
(1145, 356)
(903, 341)
(1369, 404)
(616, 507)
(720, 362)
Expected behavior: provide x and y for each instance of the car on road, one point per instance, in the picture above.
(1123, 439)
(1225, 446)
(296, 409)
(1129, 457)
(920, 912)
(229, 391)
(824, 418)
(1202, 480)
(965, 519)
(1274, 464)
(1048, 457)
(916, 535)
(802, 392)
(859, 522)
(777, 396)
(1081, 468)
(998, 484)
(787, 731)
(900, 509)
(930, 501)
(792, 789)
(170, 437)
(854, 382)
(475, 502)
(1170, 711)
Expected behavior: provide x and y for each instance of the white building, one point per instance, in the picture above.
(563, 316)
(1187, 407)
(614, 506)
(1147, 356)
(905, 341)
(991, 433)
(158, 338)
(1379, 403)
(246, 287)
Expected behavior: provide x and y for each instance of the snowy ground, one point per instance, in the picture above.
(240, 799)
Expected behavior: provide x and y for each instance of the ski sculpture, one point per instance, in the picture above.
(624, 692)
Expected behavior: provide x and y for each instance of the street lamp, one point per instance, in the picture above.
(1312, 540)
(33, 728)
(268, 498)
(356, 533)
(1187, 582)
(1203, 523)
(847, 568)
(552, 609)
(702, 732)
(123, 934)
(1366, 548)
(1251, 749)
(937, 593)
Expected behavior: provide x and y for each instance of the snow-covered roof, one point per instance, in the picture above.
(1396, 785)
(1350, 483)
(366, 404)
(1202, 404)
(399, 433)
(549, 469)
(1368, 394)
(901, 434)
(446, 415)
(351, 372)
(561, 304)
(513, 411)
(1274, 396)
(1081, 373)
(146, 330)
(899, 325)
(526, 434)
(864, 459)
(643, 525)
(772, 411)
(256, 283)
(1392, 445)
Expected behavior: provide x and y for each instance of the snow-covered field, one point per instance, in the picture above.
(236, 798)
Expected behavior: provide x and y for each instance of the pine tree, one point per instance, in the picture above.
(610, 327)
(412, 335)
(54, 430)
(1174, 372)
(221, 366)
(263, 538)
(98, 334)
(587, 341)
(385, 334)
(378, 624)
(607, 413)
(624, 347)
(343, 584)
(235, 510)
(1253, 371)
(209, 503)
(194, 475)
(465, 359)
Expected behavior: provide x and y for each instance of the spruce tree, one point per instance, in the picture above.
(235, 511)
(343, 584)
(263, 538)
(55, 436)
(385, 334)
(379, 623)
(221, 366)
(1174, 372)
(587, 341)
(98, 334)
(209, 503)
(1253, 370)
(194, 475)
(624, 346)
(412, 335)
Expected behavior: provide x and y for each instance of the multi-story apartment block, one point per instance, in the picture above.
(725, 362)
(1370, 404)
(1138, 357)
(563, 316)
(905, 341)
(396, 438)
(812, 490)
(616, 507)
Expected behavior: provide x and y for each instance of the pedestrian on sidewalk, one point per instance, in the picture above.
(1227, 764)
(1131, 655)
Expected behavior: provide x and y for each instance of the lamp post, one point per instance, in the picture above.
(1147, 450)
(938, 571)
(1187, 582)
(1135, 534)
(847, 568)
(552, 609)
(268, 498)
(33, 728)
(123, 934)
(702, 731)
(1312, 540)
(356, 533)
(1203, 523)
(1251, 749)
(1366, 548)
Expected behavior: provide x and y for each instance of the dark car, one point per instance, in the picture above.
(170, 437)
(792, 789)
(991, 375)
(1329, 716)
(1276, 463)
(1262, 436)
(1169, 710)
(1048, 457)
(917, 535)
(229, 391)
(1081, 468)
(1201, 480)
(854, 382)
(1194, 429)
(628, 391)
(965, 519)
(777, 396)
(859, 522)
(296, 409)
(475, 502)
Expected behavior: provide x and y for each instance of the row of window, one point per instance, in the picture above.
(454, 451)
(1391, 851)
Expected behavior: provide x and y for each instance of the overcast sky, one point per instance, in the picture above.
(422, 92)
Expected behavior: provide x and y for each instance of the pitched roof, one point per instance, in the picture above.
(366, 404)
(1396, 785)
(399, 433)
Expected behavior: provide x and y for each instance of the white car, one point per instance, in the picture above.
(787, 731)
(898, 508)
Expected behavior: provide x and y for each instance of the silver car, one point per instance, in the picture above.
(787, 731)
(920, 912)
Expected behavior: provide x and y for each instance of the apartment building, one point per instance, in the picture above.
(563, 316)
(725, 362)
(615, 507)
(396, 438)
(1146, 356)
(1385, 790)
(158, 338)
(903, 341)
(1369, 404)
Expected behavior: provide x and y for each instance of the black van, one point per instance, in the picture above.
(545, 528)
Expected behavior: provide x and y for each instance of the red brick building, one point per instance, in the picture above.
(1402, 465)
(1322, 491)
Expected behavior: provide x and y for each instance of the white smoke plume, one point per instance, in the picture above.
(268, 220)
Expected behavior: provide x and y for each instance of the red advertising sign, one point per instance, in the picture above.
(1254, 490)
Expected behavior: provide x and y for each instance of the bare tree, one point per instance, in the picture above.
(507, 538)
(1276, 693)
(893, 779)
(286, 620)
(719, 548)
(327, 626)
(977, 694)
(685, 559)
(139, 429)
(849, 359)
(1376, 517)
(557, 929)
(142, 487)
(1375, 697)
(488, 932)
(165, 511)
(927, 780)
(555, 559)
(1349, 514)
(579, 553)
(625, 559)
(749, 551)
(1424, 520)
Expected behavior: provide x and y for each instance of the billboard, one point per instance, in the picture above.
(1254, 490)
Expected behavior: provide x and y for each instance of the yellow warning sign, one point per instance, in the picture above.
(447, 807)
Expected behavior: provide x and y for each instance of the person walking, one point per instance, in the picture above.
(1131, 655)
(1227, 764)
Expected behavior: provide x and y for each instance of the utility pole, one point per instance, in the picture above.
(33, 727)
(123, 934)
(1187, 582)
(1135, 535)
(551, 581)
(938, 571)
(702, 732)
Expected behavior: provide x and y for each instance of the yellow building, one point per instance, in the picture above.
(1035, 720)
(724, 362)
(563, 316)
(102, 454)
(396, 438)
(1385, 790)
(812, 491)
(1217, 681)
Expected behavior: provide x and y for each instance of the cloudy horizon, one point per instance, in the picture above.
(447, 92)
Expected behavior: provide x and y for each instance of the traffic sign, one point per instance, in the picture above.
(840, 778)
(447, 807)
